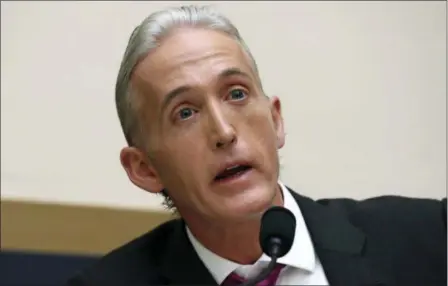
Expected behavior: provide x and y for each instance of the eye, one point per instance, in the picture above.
(237, 94)
(185, 113)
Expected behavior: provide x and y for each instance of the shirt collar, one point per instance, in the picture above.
(301, 254)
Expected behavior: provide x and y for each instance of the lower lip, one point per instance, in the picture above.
(238, 178)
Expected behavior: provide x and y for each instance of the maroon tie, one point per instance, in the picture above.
(234, 279)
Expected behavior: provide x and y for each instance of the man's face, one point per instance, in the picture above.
(204, 111)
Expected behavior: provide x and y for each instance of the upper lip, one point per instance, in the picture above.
(231, 164)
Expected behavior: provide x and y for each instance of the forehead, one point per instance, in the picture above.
(190, 56)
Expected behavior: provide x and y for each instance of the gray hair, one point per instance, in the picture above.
(145, 38)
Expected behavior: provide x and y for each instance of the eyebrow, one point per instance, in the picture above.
(185, 88)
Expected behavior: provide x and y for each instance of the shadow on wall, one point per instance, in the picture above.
(26, 268)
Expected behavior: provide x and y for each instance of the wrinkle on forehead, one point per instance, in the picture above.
(191, 47)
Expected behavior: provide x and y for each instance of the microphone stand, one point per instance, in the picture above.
(275, 246)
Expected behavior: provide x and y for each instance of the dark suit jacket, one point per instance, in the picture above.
(379, 241)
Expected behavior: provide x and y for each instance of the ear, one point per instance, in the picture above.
(276, 112)
(140, 170)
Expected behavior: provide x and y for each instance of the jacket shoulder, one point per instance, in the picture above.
(134, 263)
(395, 216)
(406, 234)
(394, 208)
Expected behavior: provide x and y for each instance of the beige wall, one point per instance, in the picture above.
(363, 87)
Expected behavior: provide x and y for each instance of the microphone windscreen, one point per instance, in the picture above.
(277, 222)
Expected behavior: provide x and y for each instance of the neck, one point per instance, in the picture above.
(221, 238)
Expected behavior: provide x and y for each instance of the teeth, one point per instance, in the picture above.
(230, 168)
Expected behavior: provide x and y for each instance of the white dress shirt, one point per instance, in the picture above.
(302, 266)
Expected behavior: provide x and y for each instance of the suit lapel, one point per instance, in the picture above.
(341, 247)
(181, 265)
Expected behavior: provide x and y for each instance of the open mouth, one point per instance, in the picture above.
(232, 172)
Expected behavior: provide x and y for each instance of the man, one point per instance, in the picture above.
(201, 131)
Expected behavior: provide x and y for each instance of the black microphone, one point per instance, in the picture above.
(278, 226)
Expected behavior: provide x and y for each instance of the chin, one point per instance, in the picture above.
(251, 204)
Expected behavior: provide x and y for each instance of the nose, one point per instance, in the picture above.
(222, 130)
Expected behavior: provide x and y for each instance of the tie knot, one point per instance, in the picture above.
(234, 279)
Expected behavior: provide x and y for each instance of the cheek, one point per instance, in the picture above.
(177, 175)
(184, 158)
(261, 126)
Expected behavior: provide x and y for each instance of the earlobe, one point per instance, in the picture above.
(140, 170)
